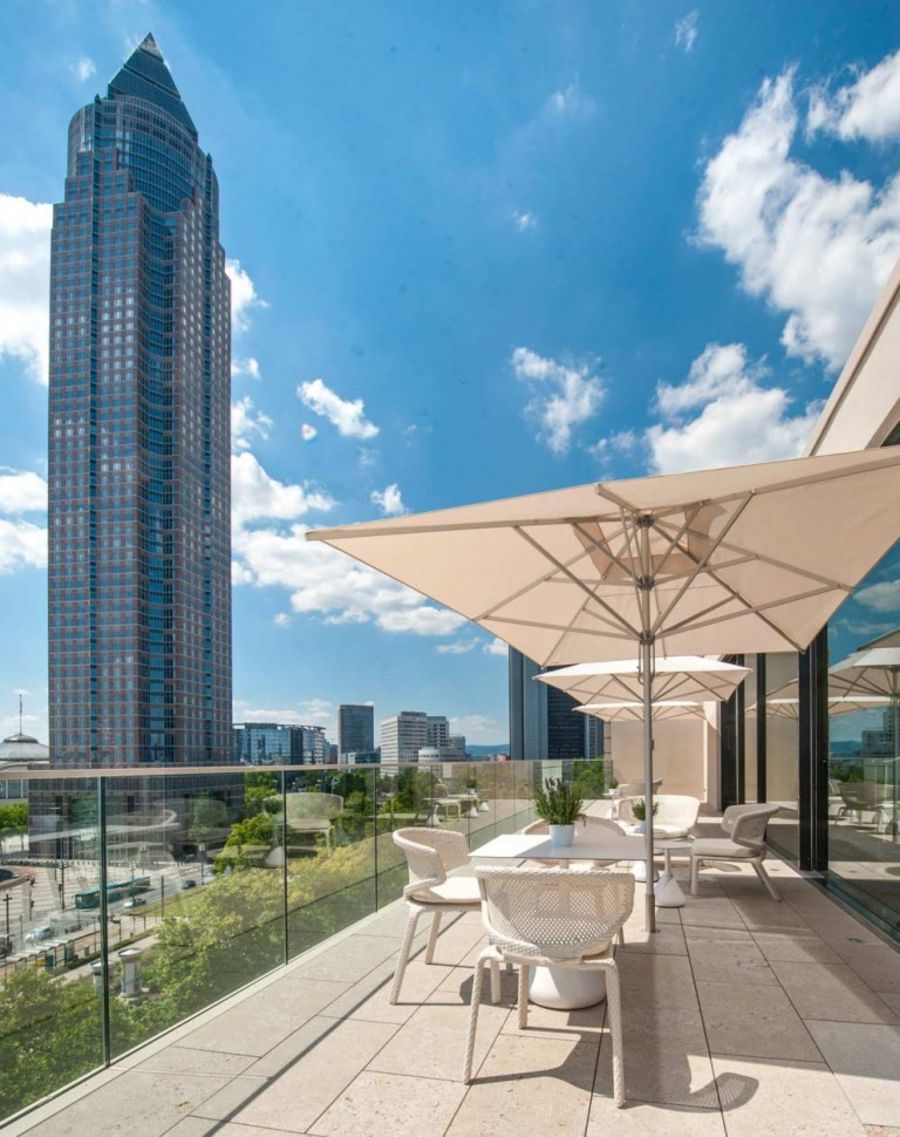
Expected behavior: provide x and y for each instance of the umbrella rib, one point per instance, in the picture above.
(758, 611)
(700, 564)
(629, 638)
(546, 579)
(673, 541)
(603, 547)
(620, 620)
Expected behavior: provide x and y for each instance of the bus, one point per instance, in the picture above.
(90, 897)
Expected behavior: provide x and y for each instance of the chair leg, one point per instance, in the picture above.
(524, 977)
(764, 877)
(433, 937)
(495, 981)
(621, 937)
(614, 1012)
(405, 948)
(695, 873)
(477, 977)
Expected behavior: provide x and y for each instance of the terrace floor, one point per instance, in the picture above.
(743, 1017)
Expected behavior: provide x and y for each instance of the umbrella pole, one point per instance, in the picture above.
(647, 665)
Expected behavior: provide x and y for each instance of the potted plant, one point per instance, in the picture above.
(559, 804)
(639, 809)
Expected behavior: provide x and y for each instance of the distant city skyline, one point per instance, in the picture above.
(459, 275)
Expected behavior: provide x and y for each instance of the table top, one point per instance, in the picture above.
(518, 846)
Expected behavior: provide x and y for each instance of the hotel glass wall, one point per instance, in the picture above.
(862, 809)
(782, 726)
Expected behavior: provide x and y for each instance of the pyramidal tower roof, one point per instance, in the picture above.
(144, 75)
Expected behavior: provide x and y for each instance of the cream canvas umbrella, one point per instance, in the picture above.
(743, 559)
(632, 710)
(674, 677)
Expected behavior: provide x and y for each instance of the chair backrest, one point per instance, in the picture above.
(677, 809)
(559, 914)
(430, 855)
(594, 823)
(635, 788)
(313, 804)
(746, 824)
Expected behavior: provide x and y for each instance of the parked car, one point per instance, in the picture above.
(187, 883)
(37, 935)
(134, 902)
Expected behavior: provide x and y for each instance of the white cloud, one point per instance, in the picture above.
(244, 297)
(308, 712)
(322, 580)
(307, 431)
(247, 422)
(248, 367)
(569, 101)
(22, 491)
(686, 31)
(281, 619)
(816, 248)
(868, 108)
(524, 219)
(256, 496)
(564, 396)
(347, 415)
(84, 68)
(457, 647)
(22, 545)
(25, 282)
(881, 597)
(496, 647)
(479, 729)
(388, 500)
(739, 420)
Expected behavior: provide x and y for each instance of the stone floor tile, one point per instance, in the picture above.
(758, 1022)
(261, 1021)
(724, 961)
(789, 947)
(842, 930)
(138, 1104)
(529, 1085)
(666, 1059)
(349, 960)
(369, 999)
(763, 914)
(651, 1119)
(892, 999)
(559, 1026)
(432, 1043)
(658, 980)
(376, 1105)
(882, 1130)
(866, 1062)
(187, 1060)
(877, 964)
(831, 991)
(290, 1049)
(204, 1127)
(668, 939)
(783, 1099)
(305, 1088)
(711, 912)
(724, 935)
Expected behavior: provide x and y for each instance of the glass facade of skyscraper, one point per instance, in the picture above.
(139, 451)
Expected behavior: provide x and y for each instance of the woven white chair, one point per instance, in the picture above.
(560, 919)
(630, 789)
(430, 855)
(675, 817)
(745, 826)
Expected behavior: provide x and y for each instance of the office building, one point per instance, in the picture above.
(543, 723)
(402, 737)
(268, 744)
(456, 747)
(438, 731)
(139, 437)
(356, 727)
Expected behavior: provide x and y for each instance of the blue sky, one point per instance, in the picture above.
(479, 251)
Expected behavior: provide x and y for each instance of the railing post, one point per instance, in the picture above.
(104, 920)
(284, 868)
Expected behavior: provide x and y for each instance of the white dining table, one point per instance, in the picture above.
(561, 988)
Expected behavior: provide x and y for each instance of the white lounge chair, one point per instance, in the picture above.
(675, 817)
(745, 826)
(430, 855)
(559, 919)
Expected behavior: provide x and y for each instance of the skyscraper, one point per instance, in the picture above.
(356, 728)
(139, 547)
(402, 737)
(543, 722)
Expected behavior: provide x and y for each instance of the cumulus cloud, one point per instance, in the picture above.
(281, 619)
(307, 431)
(686, 31)
(256, 495)
(496, 647)
(569, 101)
(348, 415)
(868, 108)
(244, 297)
(248, 368)
(308, 712)
(22, 491)
(815, 248)
(881, 597)
(524, 219)
(24, 282)
(247, 423)
(389, 500)
(457, 647)
(84, 68)
(322, 580)
(22, 545)
(723, 415)
(564, 396)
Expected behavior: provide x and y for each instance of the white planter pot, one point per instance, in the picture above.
(562, 834)
(640, 827)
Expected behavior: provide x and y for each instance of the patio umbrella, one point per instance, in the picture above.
(674, 677)
(633, 710)
(743, 559)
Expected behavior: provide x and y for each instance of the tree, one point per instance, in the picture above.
(259, 787)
